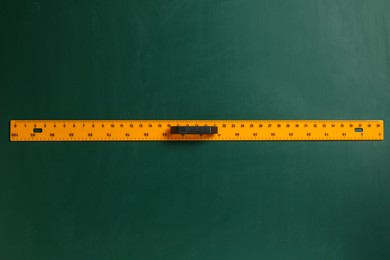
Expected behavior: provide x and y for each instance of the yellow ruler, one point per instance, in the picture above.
(196, 130)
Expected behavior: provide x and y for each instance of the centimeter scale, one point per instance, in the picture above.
(196, 130)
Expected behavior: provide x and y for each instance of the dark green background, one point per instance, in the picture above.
(195, 59)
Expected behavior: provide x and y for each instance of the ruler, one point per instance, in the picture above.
(196, 130)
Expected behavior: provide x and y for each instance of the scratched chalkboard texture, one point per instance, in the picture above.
(194, 59)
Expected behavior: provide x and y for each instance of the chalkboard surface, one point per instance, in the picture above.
(195, 59)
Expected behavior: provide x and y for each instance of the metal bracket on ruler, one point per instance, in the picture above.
(194, 130)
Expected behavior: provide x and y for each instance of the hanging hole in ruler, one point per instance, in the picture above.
(37, 130)
(358, 130)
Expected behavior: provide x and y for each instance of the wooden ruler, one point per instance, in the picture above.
(196, 130)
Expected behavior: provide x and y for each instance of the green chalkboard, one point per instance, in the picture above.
(195, 59)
